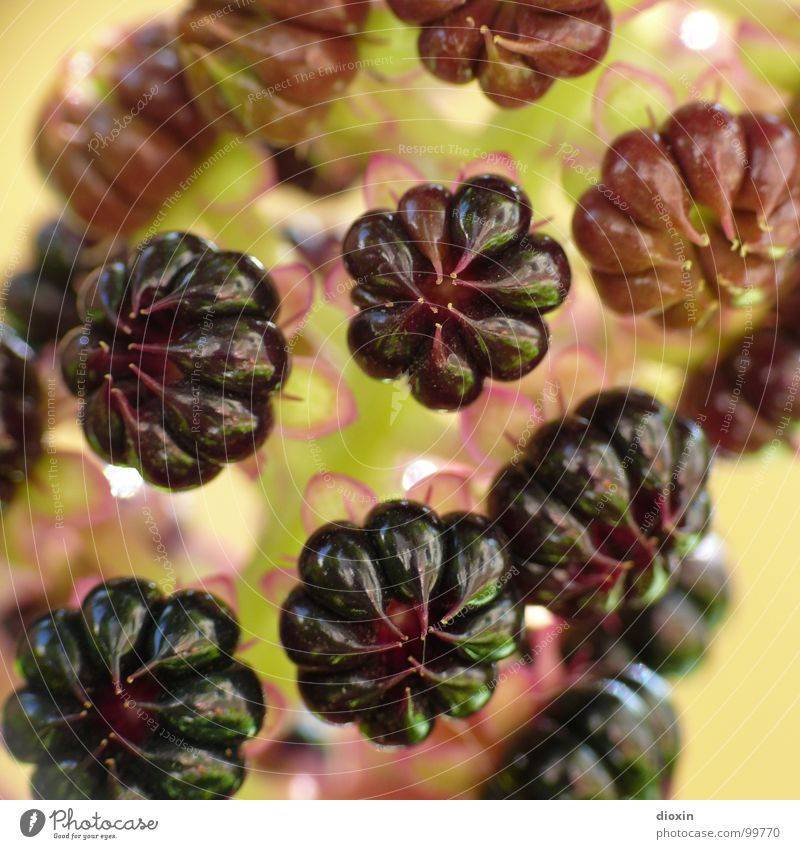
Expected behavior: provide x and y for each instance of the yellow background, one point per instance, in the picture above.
(741, 712)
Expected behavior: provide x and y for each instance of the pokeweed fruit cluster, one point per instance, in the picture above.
(605, 503)
(611, 738)
(21, 413)
(672, 635)
(451, 289)
(747, 396)
(134, 695)
(406, 624)
(269, 68)
(178, 359)
(119, 132)
(401, 621)
(699, 213)
(515, 50)
(40, 300)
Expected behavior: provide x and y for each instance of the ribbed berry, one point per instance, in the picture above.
(613, 738)
(515, 50)
(256, 72)
(747, 398)
(178, 359)
(451, 289)
(604, 504)
(41, 300)
(401, 621)
(671, 636)
(134, 695)
(20, 413)
(699, 213)
(118, 133)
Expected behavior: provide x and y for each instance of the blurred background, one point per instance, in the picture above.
(741, 711)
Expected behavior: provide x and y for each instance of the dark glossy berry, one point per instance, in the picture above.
(119, 137)
(514, 50)
(747, 398)
(41, 300)
(673, 635)
(401, 621)
(177, 360)
(613, 738)
(20, 413)
(697, 214)
(136, 694)
(256, 72)
(451, 289)
(604, 504)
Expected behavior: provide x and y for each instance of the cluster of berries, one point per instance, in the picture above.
(605, 504)
(451, 289)
(699, 213)
(607, 738)
(177, 360)
(270, 68)
(40, 300)
(671, 635)
(747, 397)
(515, 50)
(400, 624)
(402, 620)
(119, 132)
(135, 695)
(126, 127)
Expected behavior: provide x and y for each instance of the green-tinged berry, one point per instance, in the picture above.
(401, 621)
(178, 359)
(137, 694)
(604, 504)
(451, 289)
(612, 738)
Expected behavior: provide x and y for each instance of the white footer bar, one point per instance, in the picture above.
(402, 825)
